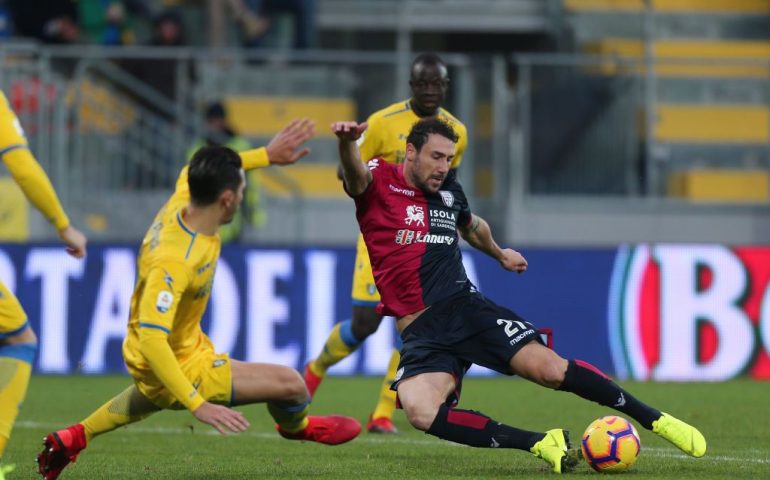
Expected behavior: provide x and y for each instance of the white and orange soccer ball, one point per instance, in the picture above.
(610, 444)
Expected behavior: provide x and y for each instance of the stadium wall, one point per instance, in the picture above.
(667, 312)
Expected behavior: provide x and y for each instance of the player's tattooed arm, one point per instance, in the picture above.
(475, 223)
(355, 173)
(479, 236)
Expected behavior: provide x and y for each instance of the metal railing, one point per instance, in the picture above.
(107, 138)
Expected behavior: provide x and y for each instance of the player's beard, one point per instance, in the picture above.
(432, 184)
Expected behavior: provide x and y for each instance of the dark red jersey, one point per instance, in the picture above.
(412, 239)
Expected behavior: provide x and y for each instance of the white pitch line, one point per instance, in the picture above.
(655, 451)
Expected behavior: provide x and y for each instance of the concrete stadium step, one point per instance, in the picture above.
(275, 79)
(679, 156)
(713, 90)
(591, 26)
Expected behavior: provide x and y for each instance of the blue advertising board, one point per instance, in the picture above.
(660, 312)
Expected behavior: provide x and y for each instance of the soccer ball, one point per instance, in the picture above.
(610, 444)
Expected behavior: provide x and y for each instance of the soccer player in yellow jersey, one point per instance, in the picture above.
(18, 343)
(172, 362)
(386, 139)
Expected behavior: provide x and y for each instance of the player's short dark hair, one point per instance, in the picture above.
(427, 59)
(212, 171)
(420, 131)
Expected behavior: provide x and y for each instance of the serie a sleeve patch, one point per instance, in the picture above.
(164, 301)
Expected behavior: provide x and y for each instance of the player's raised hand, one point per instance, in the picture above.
(513, 261)
(283, 148)
(74, 240)
(349, 131)
(222, 418)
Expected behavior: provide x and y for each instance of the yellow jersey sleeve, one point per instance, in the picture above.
(163, 291)
(370, 143)
(36, 185)
(255, 158)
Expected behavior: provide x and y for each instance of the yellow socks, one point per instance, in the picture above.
(15, 370)
(291, 418)
(127, 407)
(386, 404)
(339, 345)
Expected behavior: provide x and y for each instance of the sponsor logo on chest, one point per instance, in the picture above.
(408, 237)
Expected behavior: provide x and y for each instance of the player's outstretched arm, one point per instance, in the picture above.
(33, 181)
(355, 174)
(284, 148)
(479, 236)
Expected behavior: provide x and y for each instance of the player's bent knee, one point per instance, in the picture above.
(295, 386)
(420, 416)
(552, 374)
(365, 322)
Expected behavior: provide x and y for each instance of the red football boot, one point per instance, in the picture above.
(312, 381)
(380, 425)
(331, 430)
(59, 449)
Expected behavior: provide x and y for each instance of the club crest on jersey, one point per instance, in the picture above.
(416, 215)
(447, 197)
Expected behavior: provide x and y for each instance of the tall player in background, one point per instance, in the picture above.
(172, 362)
(385, 139)
(18, 342)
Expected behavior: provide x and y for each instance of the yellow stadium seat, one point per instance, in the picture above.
(672, 6)
(256, 116)
(689, 52)
(715, 124)
(99, 109)
(312, 180)
(721, 185)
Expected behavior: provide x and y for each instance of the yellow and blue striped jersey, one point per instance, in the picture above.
(389, 127)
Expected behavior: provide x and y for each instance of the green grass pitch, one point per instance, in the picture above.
(733, 416)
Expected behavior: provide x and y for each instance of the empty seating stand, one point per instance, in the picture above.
(711, 128)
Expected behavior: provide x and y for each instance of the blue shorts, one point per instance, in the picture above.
(464, 329)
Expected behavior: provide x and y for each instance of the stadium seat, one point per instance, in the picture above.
(100, 109)
(257, 116)
(306, 180)
(689, 52)
(673, 6)
(718, 124)
(720, 185)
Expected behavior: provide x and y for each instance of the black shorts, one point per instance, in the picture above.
(459, 331)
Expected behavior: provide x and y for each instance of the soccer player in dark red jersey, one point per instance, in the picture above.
(410, 215)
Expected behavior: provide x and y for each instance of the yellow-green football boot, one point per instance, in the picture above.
(555, 448)
(685, 437)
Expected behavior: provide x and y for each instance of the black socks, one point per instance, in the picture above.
(477, 430)
(589, 382)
